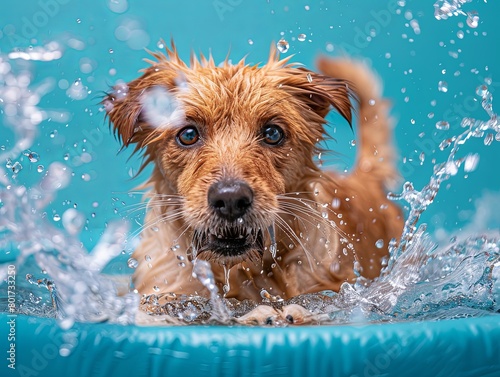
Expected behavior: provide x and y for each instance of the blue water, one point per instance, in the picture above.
(431, 69)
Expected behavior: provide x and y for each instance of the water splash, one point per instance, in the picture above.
(79, 290)
(19, 105)
(203, 272)
(444, 9)
(420, 200)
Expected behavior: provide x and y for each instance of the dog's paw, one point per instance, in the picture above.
(296, 314)
(261, 315)
(267, 315)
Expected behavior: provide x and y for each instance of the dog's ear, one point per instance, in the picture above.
(127, 104)
(320, 93)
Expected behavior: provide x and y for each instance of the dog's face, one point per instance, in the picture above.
(227, 141)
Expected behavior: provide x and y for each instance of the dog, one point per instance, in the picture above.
(234, 180)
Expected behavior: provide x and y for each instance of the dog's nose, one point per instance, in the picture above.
(230, 199)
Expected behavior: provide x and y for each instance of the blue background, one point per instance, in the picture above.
(410, 64)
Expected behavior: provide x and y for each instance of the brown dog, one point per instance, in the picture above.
(234, 181)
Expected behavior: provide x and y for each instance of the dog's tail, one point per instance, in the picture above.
(376, 155)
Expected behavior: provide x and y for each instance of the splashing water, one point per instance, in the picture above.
(78, 290)
(444, 9)
(420, 281)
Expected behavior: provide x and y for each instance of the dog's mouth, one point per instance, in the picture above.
(229, 245)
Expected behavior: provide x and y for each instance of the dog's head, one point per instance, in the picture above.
(228, 140)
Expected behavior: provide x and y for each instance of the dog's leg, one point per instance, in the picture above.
(292, 314)
(261, 315)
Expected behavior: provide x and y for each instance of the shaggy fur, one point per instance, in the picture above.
(329, 227)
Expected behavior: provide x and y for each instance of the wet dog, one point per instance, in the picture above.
(234, 180)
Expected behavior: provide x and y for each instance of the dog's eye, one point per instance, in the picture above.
(188, 136)
(272, 134)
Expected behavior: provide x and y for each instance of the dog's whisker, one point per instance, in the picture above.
(311, 218)
(160, 218)
(297, 217)
(311, 204)
(298, 211)
(129, 210)
(183, 230)
(272, 236)
(293, 236)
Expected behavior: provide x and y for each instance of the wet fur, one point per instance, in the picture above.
(325, 222)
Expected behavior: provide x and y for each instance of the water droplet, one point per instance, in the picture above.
(182, 264)
(156, 288)
(118, 6)
(443, 125)
(443, 86)
(16, 167)
(421, 157)
(335, 203)
(301, 37)
(77, 90)
(471, 162)
(488, 139)
(56, 217)
(379, 244)
(132, 263)
(353, 143)
(309, 77)
(482, 90)
(472, 19)
(147, 258)
(282, 46)
(32, 156)
(40, 168)
(160, 44)
(73, 221)
(460, 34)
